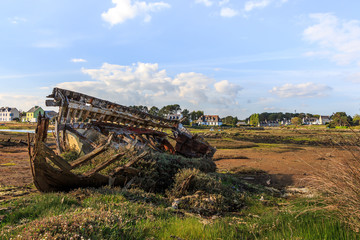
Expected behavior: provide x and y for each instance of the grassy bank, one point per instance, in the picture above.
(134, 214)
(19, 125)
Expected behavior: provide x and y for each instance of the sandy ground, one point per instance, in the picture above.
(284, 165)
(14, 166)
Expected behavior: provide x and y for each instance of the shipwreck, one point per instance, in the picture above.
(110, 140)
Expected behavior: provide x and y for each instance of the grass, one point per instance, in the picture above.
(17, 125)
(340, 182)
(134, 214)
(7, 164)
(114, 214)
(229, 143)
(233, 138)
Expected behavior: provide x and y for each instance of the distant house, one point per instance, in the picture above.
(209, 120)
(50, 114)
(241, 123)
(33, 113)
(176, 116)
(285, 122)
(324, 120)
(8, 114)
(269, 124)
(310, 121)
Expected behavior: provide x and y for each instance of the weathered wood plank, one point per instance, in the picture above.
(79, 135)
(57, 160)
(57, 137)
(94, 111)
(128, 165)
(104, 165)
(84, 159)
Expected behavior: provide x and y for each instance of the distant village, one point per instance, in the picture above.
(215, 120)
(8, 114)
(198, 118)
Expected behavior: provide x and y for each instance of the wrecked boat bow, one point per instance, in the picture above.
(92, 126)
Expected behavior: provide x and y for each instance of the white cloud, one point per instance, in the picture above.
(146, 84)
(301, 90)
(129, 9)
(339, 38)
(223, 2)
(251, 5)
(228, 12)
(258, 4)
(207, 3)
(78, 60)
(225, 87)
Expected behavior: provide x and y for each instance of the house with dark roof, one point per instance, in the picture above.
(209, 120)
(310, 121)
(33, 113)
(269, 123)
(50, 114)
(324, 120)
(8, 114)
(176, 116)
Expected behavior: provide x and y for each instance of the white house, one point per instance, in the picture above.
(310, 121)
(285, 122)
(8, 114)
(176, 116)
(209, 120)
(324, 120)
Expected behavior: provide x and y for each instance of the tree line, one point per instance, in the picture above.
(338, 118)
(171, 109)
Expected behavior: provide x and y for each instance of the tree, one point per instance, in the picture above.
(234, 121)
(296, 121)
(169, 109)
(263, 116)
(186, 115)
(301, 115)
(340, 119)
(227, 120)
(154, 111)
(195, 115)
(141, 108)
(254, 119)
(356, 119)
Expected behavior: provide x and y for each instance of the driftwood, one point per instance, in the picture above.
(94, 126)
(8, 142)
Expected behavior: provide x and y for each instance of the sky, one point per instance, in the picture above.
(225, 57)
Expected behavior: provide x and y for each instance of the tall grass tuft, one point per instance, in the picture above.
(340, 181)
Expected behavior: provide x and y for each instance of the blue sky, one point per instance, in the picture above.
(225, 57)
